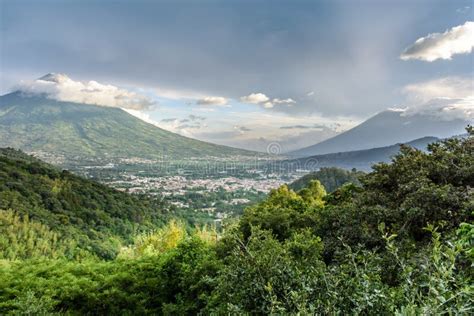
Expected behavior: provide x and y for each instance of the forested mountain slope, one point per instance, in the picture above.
(36, 123)
(96, 218)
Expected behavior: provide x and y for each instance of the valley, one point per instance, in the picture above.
(209, 189)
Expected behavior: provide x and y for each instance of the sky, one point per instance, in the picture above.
(245, 73)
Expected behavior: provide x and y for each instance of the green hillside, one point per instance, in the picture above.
(400, 244)
(33, 123)
(66, 211)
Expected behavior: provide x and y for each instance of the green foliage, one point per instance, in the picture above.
(415, 190)
(179, 281)
(419, 188)
(29, 304)
(264, 276)
(156, 242)
(21, 238)
(285, 211)
(331, 178)
(434, 282)
(97, 218)
(401, 244)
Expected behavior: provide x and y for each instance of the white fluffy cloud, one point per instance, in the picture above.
(266, 102)
(213, 101)
(61, 88)
(447, 98)
(457, 40)
(287, 101)
(255, 98)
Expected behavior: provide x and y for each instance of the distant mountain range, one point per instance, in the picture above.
(359, 159)
(39, 124)
(384, 129)
(72, 131)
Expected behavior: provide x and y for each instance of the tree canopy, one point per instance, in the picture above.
(400, 243)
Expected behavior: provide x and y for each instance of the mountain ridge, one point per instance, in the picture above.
(36, 123)
(384, 129)
(360, 159)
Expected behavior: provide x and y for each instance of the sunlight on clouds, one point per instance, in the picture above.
(61, 88)
(446, 109)
(449, 87)
(447, 98)
(255, 130)
(457, 40)
(213, 101)
(142, 116)
(266, 102)
(255, 98)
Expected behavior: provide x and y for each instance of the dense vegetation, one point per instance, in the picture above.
(401, 243)
(331, 178)
(46, 200)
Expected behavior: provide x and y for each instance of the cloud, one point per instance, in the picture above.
(448, 87)
(257, 129)
(189, 126)
(344, 65)
(193, 117)
(178, 93)
(288, 140)
(266, 102)
(255, 98)
(61, 88)
(287, 101)
(203, 109)
(296, 127)
(167, 120)
(447, 98)
(142, 116)
(309, 94)
(213, 101)
(446, 109)
(315, 126)
(268, 105)
(242, 129)
(457, 40)
(186, 126)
